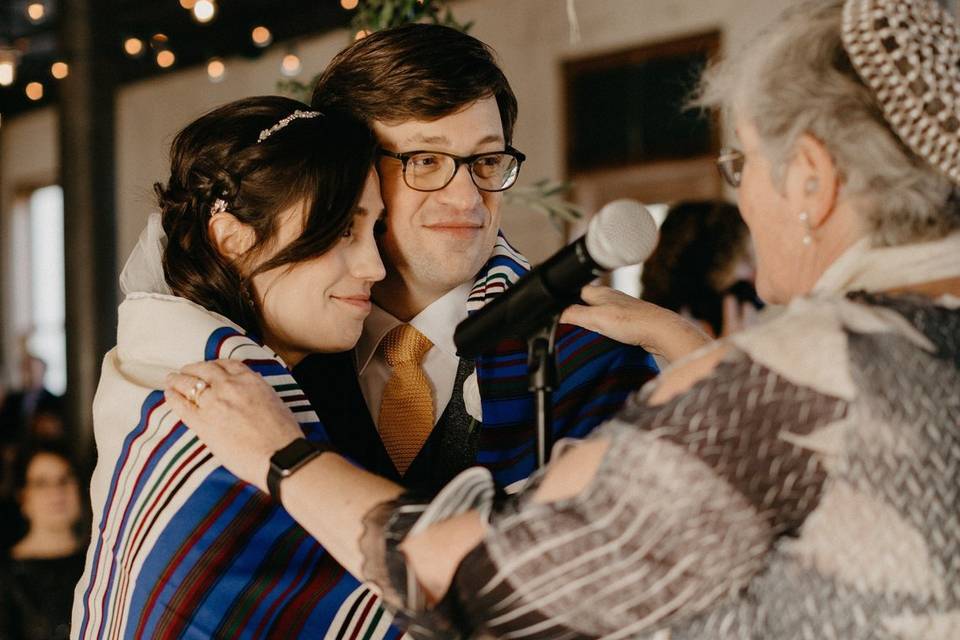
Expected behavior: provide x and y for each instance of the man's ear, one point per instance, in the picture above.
(231, 238)
(814, 180)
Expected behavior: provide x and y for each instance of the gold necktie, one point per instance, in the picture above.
(406, 411)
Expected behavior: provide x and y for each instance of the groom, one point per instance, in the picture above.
(403, 404)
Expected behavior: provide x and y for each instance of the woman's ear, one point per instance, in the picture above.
(813, 181)
(230, 237)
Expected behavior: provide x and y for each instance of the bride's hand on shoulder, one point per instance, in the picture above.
(630, 320)
(235, 412)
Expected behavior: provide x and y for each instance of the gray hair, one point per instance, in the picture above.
(796, 78)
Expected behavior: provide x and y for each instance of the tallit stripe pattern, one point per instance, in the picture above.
(596, 376)
(184, 549)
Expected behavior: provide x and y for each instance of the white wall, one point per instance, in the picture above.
(530, 36)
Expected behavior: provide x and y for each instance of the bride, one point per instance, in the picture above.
(268, 217)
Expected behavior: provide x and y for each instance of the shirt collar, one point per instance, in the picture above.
(437, 322)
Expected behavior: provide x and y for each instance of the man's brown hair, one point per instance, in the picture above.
(414, 72)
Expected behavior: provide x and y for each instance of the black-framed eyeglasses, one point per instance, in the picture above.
(433, 170)
(730, 163)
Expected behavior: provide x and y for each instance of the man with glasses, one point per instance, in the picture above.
(403, 404)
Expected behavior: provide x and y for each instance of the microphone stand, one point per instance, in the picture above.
(543, 376)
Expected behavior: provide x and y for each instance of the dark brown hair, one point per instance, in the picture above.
(34, 448)
(322, 161)
(699, 243)
(414, 72)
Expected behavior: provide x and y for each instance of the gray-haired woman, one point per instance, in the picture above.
(798, 480)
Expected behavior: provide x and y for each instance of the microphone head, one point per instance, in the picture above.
(621, 234)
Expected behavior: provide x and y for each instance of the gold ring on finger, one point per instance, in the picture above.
(198, 388)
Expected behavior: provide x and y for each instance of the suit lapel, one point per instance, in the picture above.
(330, 382)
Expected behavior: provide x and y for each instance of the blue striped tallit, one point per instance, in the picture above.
(596, 375)
(181, 548)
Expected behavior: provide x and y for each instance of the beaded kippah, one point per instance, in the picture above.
(907, 53)
(266, 133)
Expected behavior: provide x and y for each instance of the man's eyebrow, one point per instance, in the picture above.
(419, 137)
(444, 140)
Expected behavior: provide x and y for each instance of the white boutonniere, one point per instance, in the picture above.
(471, 397)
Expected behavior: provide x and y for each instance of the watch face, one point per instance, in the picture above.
(294, 454)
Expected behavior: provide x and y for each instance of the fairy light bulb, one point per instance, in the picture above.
(36, 11)
(290, 65)
(8, 67)
(204, 11)
(133, 47)
(261, 36)
(59, 70)
(165, 58)
(216, 70)
(34, 91)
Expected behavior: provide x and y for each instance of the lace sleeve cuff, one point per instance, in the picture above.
(388, 524)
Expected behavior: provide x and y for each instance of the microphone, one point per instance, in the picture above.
(621, 234)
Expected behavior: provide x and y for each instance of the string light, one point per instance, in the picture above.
(36, 11)
(8, 66)
(290, 64)
(188, 4)
(363, 33)
(59, 70)
(34, 91)
(165, 58)
(133, 47)
(204, 11)
(349, 5)
(261, 36)
(216, 70)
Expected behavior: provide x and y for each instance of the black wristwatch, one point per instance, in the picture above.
(287, 460)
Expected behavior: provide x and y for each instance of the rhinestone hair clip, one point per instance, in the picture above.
(266, 133)
(220, 205)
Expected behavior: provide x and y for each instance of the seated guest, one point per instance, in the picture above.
(42, 568)
(799, 479)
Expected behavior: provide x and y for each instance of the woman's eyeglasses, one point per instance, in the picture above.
(730, 163)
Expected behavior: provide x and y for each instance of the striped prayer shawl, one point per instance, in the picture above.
(181, 547)
(596, 375)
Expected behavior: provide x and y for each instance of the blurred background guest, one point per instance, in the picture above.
(32, 410)
(703, 266)
(39, 572)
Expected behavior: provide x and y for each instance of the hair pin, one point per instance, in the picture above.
(219, 206)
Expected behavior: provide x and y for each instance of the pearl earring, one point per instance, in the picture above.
(805, 221)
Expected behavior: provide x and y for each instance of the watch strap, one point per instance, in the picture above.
(286, 461)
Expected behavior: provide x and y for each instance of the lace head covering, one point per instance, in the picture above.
(908, 54)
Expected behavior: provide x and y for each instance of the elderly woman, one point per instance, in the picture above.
(800, 479)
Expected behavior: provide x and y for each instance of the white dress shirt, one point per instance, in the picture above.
(437, 322)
